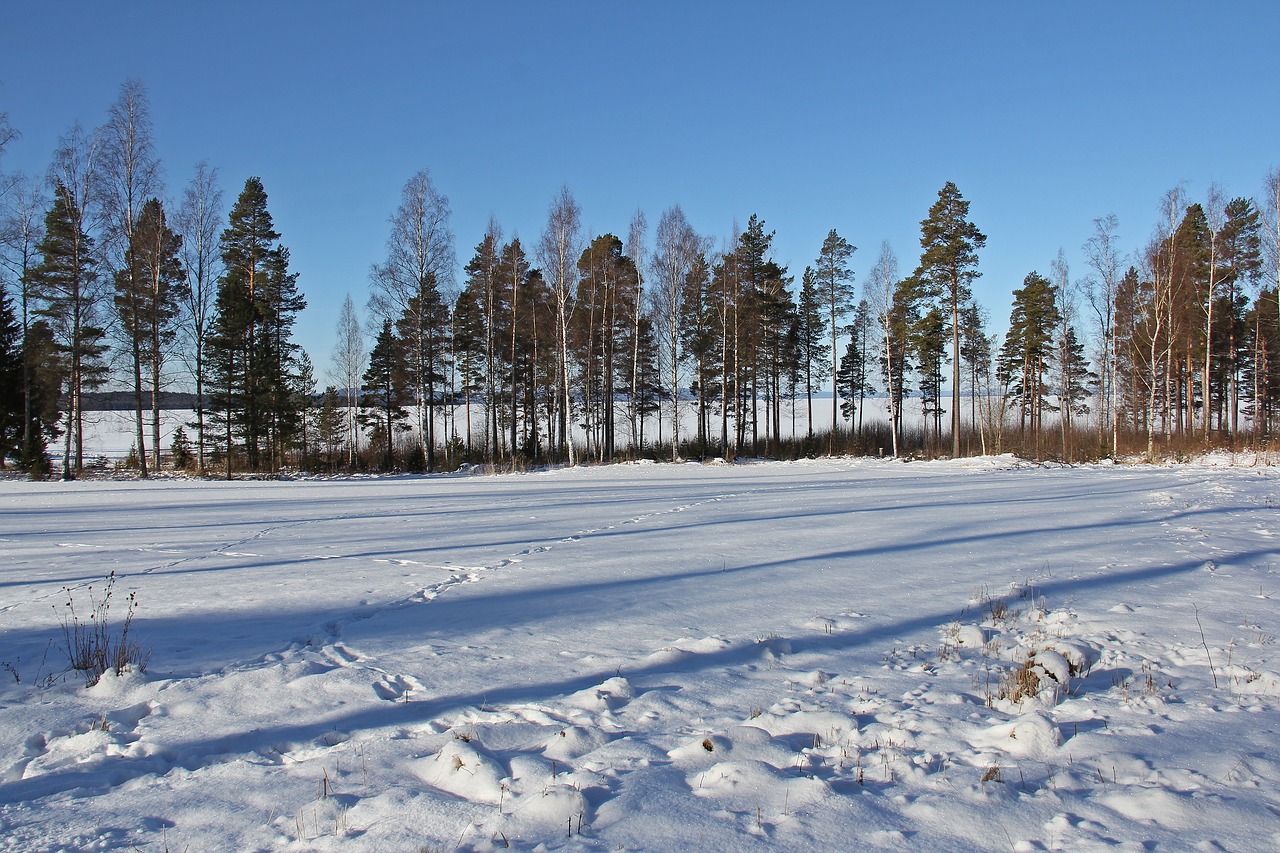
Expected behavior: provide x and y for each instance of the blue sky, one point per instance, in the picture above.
(812, 115)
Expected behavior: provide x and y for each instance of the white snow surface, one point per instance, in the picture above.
(820, 655)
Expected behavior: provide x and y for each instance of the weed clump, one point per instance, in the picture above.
(93, 644)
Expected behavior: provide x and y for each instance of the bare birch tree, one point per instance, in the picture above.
(199, 220)
(881, 282)
(1270, 208)
(130, 176)
(348, 370)
(406, 290)
(74, 175)
(1215, 218)
(558, 254)
(677, 247)
(637, 250)
(1103, 254)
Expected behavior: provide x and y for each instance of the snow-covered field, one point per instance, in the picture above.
(817, 655)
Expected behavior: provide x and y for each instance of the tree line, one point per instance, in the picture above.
(589, 346)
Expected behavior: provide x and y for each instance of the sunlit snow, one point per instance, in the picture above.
(826, 655)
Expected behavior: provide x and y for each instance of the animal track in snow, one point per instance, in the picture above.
(398, 688)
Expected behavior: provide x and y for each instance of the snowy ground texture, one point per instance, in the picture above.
(978, 655)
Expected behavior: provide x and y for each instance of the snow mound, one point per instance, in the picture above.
(609, 695)
(1029, 736)
(573, 742)
(462, 769)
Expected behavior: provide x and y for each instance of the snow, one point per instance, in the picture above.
(828, 654)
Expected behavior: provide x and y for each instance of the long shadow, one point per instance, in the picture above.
(621, 530)
(196, 753)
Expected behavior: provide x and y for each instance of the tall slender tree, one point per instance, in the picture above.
(198, 220)
(149, 292)
(948, 266)
(880, 290)
(251, 349)
(130, 174)
(483, 282)
(385, 393)
(65, 283)
(22, 211)
(558, 253)
(835, 287)
(811, 338)
(11, 392)
(677, 248)
(348, 368)
(1103, 254)
(406, 288)
(1239, 260)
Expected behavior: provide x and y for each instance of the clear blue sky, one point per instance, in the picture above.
(813, 115)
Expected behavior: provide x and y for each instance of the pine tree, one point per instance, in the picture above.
(250, 349)
(1082, 380)
(385, 393)
(1027, 346)
(853, 380)
(835, 288)
(948, 265)
(698, 343)
(811, 337)
(1240, 263)
(482, 282)
(467, 339)
(65, 284)
(975, 351)
(424, 328)
(928, 343)
(148, 302)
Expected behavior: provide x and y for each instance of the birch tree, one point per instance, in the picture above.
(676, 248)
(558, 253)
(70, 277)
(198, 220)
(406, 291)
(130, 175)
(879, 293)
(1103, 255)
(348, 371)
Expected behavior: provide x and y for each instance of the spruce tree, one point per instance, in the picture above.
(331, 426)
(385, 393)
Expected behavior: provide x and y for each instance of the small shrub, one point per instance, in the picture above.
(181, 451)
(1020, 683)
(93, 644)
